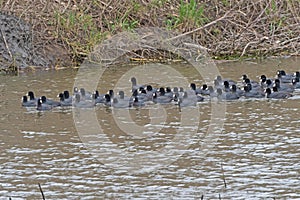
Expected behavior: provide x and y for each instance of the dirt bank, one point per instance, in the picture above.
(66, 31)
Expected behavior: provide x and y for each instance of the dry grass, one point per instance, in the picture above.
(260, 28)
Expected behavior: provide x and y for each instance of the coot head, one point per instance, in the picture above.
(219, 91)
(97, 93)
(135, 93)
(268, 91)
(133, 81)
(66, 94)
(295, 80)
(226, 84)
(263, 78)
(268, 82)
(275, 89)
(219, 78)
(43, 99)
(168, 89)
(107, 98)
(249, 86)
(82, 92)
(244, 76)
(247, 80)
(24, 99)
(61, 97)
(31, 95)
(233, 88)
(149, 88)
(111, 93)
(175, 89)
(162, 91)
(121, 94)
(193, 86)
(246, 88)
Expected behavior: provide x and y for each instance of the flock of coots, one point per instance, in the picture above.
(281, 87)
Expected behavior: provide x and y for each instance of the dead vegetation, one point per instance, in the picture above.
(227, 28)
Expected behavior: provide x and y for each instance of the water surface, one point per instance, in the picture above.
(256, 153)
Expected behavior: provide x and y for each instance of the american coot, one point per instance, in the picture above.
(247, 80)
(197, 90)
(42, 106)
(98, 98)
(161, 99)
(83, 103)
(232, 95)
(122, 95)
(283, 77)
(137, 102)
(277, 95)
(134, 85)
(217, 84)
(226, 95)
(220, 94)
(226, 86)
(63, 101)
(221, 81)
(118, 103)
(50, 102)
(283, 87)
(84, 95)
(179, 92)
(296, 83)
(269, 83)
(67, 97)
(248, 93)
(263, 80)
(237, 90)
(254, 84)
(31, 96)
(29, 103)
(168, 92)
(212, 92)
(111, 93)
(107, 101)
(254, 89)
(187, 100)
(150, 90)
(204, 90)
(141, 95)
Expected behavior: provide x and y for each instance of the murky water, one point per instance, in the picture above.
(256, 153)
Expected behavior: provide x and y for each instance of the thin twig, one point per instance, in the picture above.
(223, 176)
(6, 45)
(43, 196)
(200, 28)
(290, 40)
